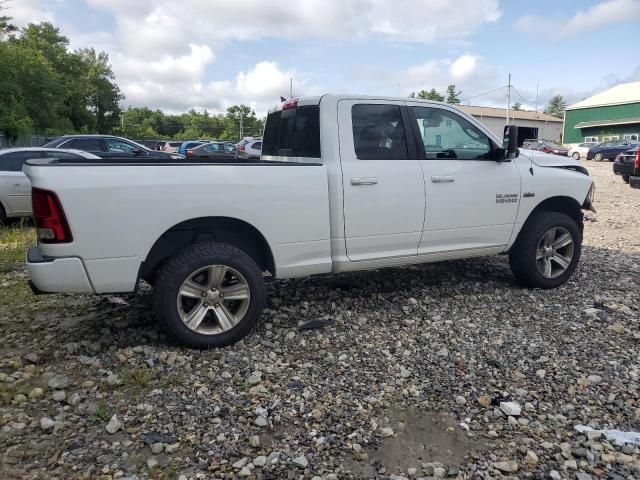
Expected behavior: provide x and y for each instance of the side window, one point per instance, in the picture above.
(446, 135)
(118, 146)
(86, 144)
(12, 162)
(378, 132)
(257, 146)
(229, 149)
(590, 139)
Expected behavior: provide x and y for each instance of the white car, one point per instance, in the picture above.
(15, 189)
(346, 182)
(250, 148)
(580, 151)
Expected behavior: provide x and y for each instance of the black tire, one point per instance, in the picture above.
(3, 216)
(522, 257)
(180, 267)
(625, 178)
(598, 157)
(575, 155)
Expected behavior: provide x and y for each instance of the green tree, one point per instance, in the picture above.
(6, 27)
(428, 95)
(517, 106)
(453, 97)
(556, 106)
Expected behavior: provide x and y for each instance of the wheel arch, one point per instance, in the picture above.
(227, 230)
(561, 204)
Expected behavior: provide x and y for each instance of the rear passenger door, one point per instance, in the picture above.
(91, 145)
(383, 185)
(15, 189)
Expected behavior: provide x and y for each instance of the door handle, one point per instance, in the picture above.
(364, 180)
(442, 179)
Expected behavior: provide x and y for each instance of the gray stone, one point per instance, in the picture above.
(114, 424)
(58, 382)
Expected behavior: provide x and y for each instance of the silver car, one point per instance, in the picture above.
(15, 189)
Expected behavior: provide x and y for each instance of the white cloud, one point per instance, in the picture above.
(595, 17)
(24, 12)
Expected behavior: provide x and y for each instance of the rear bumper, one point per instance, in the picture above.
(56, 275)
(623, 168)
(634, 182)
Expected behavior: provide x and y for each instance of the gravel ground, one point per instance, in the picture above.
(408, 374)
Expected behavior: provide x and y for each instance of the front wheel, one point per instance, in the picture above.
(576, 156)
(209, 295)
(625, 178)
(598, 157)
(547, 251)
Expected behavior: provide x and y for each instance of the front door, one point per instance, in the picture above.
(384, 198)
(472, 200)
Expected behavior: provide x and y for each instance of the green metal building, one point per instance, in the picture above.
(610, 115)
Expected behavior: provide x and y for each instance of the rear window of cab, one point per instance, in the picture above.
(293, 132)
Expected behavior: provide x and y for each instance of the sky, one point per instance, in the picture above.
(210, 54)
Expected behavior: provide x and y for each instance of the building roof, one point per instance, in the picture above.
(623, 93)
(502, 113)
(602, 123)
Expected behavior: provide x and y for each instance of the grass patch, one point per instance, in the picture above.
(14, 242)
(100, 414)
(137, 377)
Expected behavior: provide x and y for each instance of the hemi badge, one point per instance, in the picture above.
(528, 194)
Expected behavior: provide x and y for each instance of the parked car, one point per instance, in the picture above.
(624, 163)
(250, 148)
(150, 144)
(345, 183)
(213, 151)
(109, 147)
(608, 150)
(184, 146)
(634, 178)
(545, 146)
(15, 189)
(580, 151)
(168, 146)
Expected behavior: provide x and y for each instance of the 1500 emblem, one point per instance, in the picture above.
(506, 198)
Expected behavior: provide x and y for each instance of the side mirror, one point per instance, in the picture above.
(510, 143)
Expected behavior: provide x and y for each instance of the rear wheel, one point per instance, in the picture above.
(575, 155)
(598, 157)
(209, 295)
(3, 216)
(625, 178)
(547, 251)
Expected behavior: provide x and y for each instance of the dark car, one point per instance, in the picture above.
(213, 151)
(608, 150)
(624, 163)
(189, 144)
(545, 146)
(108, 146)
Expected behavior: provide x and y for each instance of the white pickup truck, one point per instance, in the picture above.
(344, 183)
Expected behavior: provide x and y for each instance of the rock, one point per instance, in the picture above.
(386, 432)
(174, 447)
(244, 472)
(301, 461)
(260, 421)
(36, 392)
(59, 395)
(531, 458)
(254, 441)
(114, 424)
(541, 373)
(73, 399)
(439, 472)
(555, 475)
(443, 352)
(595, 379)
(31, 357)
(460, 400)
(570, 464)
(273, 458)
(260, 461)
(583, 476)
(509, 466)
(617, 327)
(254, 378)
(240, 463)
(46, 423)
(152, 463)
(484, 401)
(510, 408)
(58, 382)
(157, 448)
(114, 380)
(404, 373)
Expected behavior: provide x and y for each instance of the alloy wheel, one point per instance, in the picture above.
(554, 252)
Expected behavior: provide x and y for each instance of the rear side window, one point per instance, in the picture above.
(294, 132)
(378, 132)
(12, 162)
(257, 146)
(86, 144)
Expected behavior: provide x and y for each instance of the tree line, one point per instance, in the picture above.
(49, 89)
(555, 107)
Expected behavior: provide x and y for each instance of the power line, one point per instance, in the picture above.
(521, 97)
(481, 94)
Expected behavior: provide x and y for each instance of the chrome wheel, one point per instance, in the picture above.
(576, 156)
(213, 299)
(554, 252)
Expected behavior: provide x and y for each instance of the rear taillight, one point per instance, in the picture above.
(241, 148)
(638, 158)
(189, 153)
(617, 159)
(291, 103)
(51, 222)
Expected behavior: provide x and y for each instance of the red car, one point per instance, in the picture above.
(545, 146)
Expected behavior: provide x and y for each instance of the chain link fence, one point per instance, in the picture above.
(30, 140)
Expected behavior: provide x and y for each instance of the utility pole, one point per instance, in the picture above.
(241, 132)
(508, 98)
(291, 87)
(537, 88)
